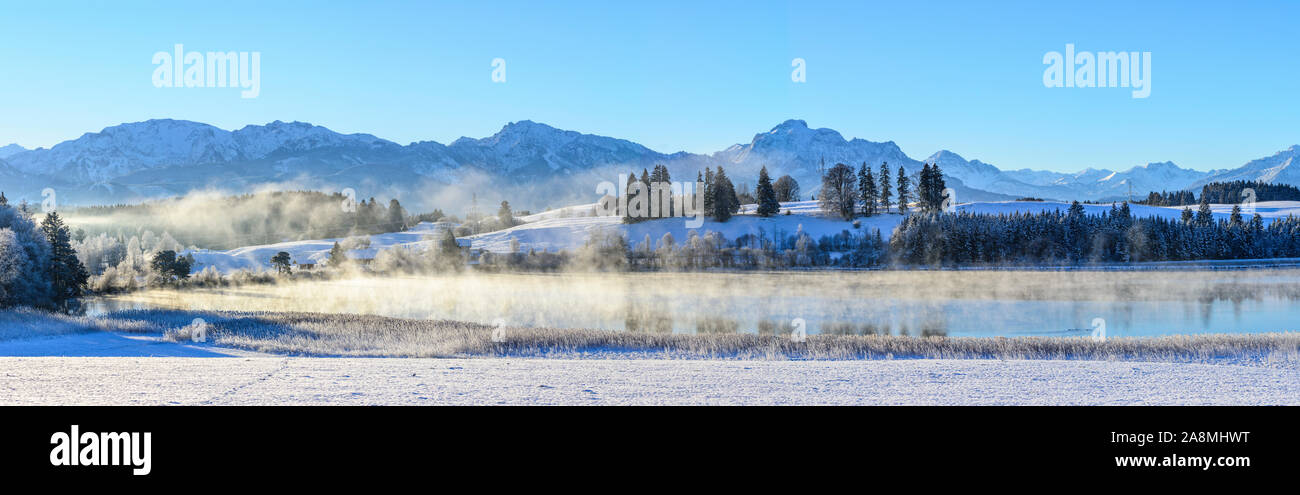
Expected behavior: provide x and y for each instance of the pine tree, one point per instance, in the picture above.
(281, 262)
(67, 276)
(1204, 217)
(3, 200)
(937, 184)
(1076, 210)
(338, 257)
(628, 217)
(884, 187)
(396, 216)
(924, 190)
(447, 246)
(767, 203)
(904, 191)
(661, 179)
(708, 191)
(724, 201)
(869, 192)
(183, 265)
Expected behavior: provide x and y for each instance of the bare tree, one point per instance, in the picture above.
(839, 191)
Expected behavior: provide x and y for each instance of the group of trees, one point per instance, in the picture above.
(650, 196)
(225, 222)
(1234, 192)
(758, 250)
(720, 199)
(1075, 237)
(125, 262)
(38, 264)
(846, 195)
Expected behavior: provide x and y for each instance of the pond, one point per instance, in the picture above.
(917, 303)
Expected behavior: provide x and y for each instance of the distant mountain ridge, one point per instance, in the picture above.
(164, 157)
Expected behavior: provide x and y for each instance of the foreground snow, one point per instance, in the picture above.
(109, 368)
(390, 381)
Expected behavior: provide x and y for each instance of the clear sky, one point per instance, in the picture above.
(694, 75)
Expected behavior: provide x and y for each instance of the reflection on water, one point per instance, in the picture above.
(853, 303)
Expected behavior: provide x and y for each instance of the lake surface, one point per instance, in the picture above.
(985, 303)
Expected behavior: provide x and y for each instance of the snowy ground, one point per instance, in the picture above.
(105, 368)
(568, 228)
(391, 381)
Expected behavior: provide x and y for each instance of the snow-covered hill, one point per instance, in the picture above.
(569, 228)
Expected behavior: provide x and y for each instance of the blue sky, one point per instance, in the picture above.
(694, 76)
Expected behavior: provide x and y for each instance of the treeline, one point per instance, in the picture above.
(1074, 237)
(651, 196)
(225, 222)
(865, 193)
(1235, 192)
(607, 250)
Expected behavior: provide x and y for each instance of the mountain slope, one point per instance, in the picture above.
(531, 164)
(1283, 167)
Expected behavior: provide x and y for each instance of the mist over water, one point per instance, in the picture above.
(916, 303)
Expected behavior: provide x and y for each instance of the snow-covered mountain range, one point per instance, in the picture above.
(157, 158)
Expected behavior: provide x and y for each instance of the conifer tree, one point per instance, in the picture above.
(924, 190)
(281, 262)
(1204, 217)
(939, 186)
(396, 216)
(904, 191)
(884, 187)
(67, 276)
(338, 257)
(724, 201)
(863, 193)
(767, 203)
(708, 191)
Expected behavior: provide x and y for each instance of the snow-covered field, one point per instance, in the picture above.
(141, 368)
(351, 381)
(568, 228)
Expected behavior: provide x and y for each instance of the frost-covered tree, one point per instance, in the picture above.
(24, 258)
